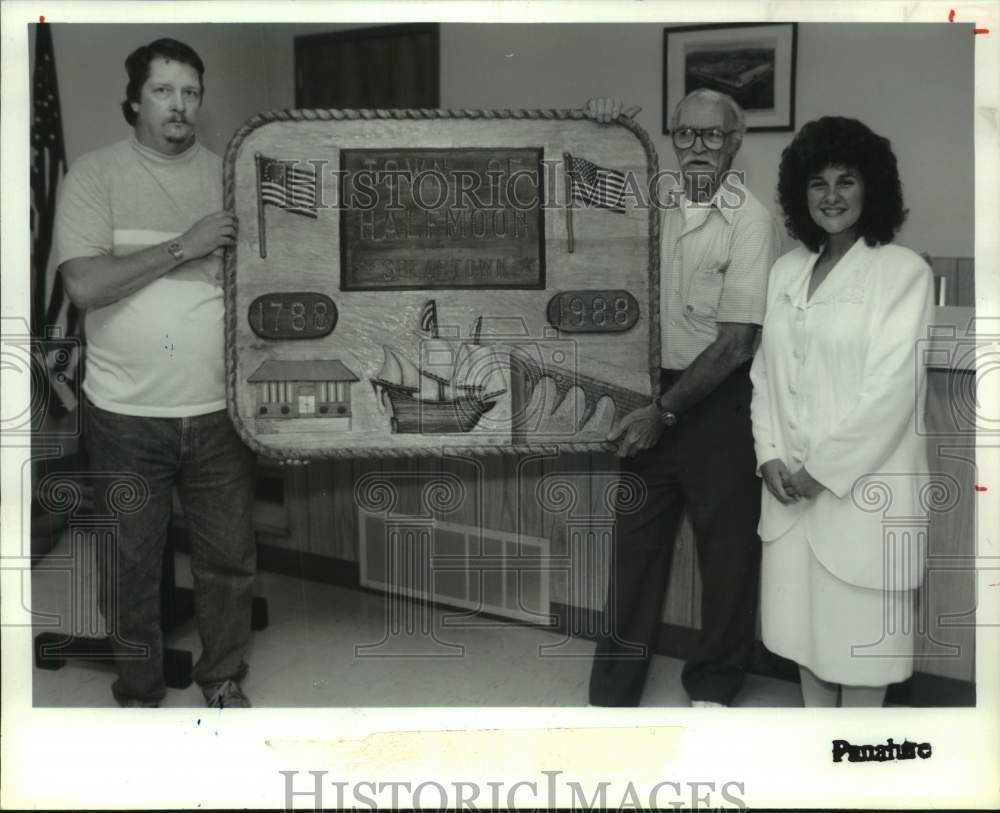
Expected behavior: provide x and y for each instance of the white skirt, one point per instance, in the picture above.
(842, 633)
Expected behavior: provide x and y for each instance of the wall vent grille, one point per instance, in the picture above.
(463, 566)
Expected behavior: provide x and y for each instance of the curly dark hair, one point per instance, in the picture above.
(137, 66)
(834, 141)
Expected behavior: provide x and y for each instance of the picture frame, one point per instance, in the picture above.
(752, 62)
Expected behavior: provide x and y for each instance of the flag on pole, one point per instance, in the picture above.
(429, 318)
(286, 185)
(52, 314)
(592, 185)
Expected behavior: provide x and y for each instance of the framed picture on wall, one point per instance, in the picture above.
(754, 63)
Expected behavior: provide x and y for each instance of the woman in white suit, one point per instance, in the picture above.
(837, 384)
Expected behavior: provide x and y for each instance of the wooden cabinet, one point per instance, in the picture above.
(947, 601)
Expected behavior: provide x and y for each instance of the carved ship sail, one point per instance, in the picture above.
(440, 395)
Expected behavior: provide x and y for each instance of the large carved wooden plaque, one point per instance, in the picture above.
(409, 281)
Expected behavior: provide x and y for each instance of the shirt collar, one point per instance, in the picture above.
(719, 202)
(161, 158)
(840, 281)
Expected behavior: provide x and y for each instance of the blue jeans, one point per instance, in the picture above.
(213, 472)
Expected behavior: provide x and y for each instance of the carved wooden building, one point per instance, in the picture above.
(316, 389)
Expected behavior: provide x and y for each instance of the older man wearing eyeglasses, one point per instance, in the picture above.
(693, 446)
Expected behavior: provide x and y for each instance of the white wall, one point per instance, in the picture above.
(90, 65)
(911, 83)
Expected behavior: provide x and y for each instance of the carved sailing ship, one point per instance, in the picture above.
(440, 395)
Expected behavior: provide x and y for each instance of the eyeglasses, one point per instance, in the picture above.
(713, 138)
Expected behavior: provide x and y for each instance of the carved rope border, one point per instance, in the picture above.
(231, 317)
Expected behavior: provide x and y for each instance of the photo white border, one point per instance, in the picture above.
(93, 758)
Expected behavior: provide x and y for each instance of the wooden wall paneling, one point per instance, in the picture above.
(531, 516)
(334, 528)
(319, 480)
(966, 279)
(944, 268)
(297, 501)
(344, 512)
(580, 537)
(960, 276)
(604, 476)
(501, 495)
(462, 494)
(270, 512)
(569, 476)
(536, 514)
(498, 476)
(947, 601)
(471, 475)
(410, 477)
(368, 487)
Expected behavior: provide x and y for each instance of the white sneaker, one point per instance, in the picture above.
(707, 704)
(226, 695)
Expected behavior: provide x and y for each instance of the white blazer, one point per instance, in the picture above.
(839, 387)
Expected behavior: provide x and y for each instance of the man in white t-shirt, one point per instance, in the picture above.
(140, 233)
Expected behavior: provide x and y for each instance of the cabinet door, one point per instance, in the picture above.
(384, 67)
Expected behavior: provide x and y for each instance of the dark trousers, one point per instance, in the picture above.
(706, 464)
(213, 472)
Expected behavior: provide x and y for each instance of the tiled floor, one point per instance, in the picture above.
(327, 646)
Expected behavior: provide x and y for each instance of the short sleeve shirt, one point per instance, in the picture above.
(715, 262)
(159, 351)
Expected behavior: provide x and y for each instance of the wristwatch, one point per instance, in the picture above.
(175, 249)
(667, 417)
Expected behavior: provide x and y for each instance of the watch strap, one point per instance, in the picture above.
(667, 418)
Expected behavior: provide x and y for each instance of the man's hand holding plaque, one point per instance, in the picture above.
(638, 431)
(605, 110)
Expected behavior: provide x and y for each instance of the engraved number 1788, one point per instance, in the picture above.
(292, 316)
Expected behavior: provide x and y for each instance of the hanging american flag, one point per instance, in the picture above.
(596, 186)
(52, 314)
(286, 185)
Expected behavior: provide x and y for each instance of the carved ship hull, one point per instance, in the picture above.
(412, 414)
(423, 401)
